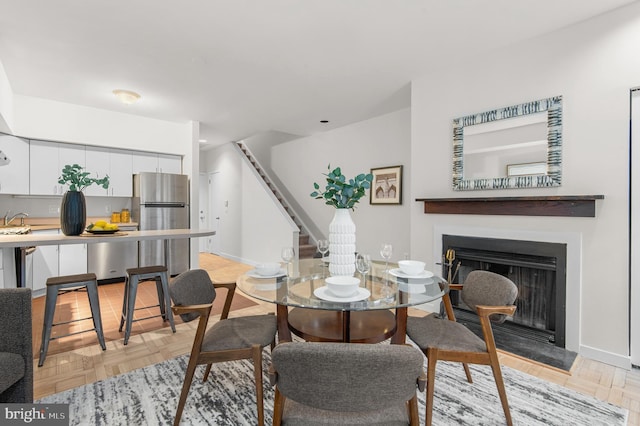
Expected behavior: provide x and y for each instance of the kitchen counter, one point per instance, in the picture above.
(29, 240)
(24, 241)
(47, 223)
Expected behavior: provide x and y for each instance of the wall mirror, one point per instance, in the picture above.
(514, 147)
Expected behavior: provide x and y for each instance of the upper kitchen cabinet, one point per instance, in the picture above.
(156, 163)
(47, 161)
(14, 162)
(170, 164)
(115, 163)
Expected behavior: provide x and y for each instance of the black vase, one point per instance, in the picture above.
(73, 213)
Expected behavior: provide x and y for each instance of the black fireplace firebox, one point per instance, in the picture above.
(537, 268)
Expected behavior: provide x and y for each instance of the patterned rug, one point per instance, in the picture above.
(149, 396)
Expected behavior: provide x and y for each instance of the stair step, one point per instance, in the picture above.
(307, 251)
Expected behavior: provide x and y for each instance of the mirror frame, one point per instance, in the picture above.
(553, 177)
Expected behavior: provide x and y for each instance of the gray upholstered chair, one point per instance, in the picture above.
(229, 339)
(488, 294)
(16, 352)
(345, 383)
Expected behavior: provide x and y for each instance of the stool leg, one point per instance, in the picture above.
(125, 297)
(131, 305)
(49, 310)
(94, 302)
(160, 292)
(164, 278)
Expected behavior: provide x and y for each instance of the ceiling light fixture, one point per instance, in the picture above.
(126, 96)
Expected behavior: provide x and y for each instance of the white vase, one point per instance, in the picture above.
(342, 244)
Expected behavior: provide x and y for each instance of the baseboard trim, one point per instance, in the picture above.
(620, 361)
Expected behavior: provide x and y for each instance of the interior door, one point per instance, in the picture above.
(203, 214)
(215, 207)
(634, 255)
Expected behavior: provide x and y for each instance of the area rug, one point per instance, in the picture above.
(149, 396)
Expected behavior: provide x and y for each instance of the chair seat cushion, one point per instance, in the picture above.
(12, 369)
(297, 414)
(240, 332)
(431, 331)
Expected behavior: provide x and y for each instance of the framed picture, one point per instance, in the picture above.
(386, 187)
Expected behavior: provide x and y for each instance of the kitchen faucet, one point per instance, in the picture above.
(8, 220)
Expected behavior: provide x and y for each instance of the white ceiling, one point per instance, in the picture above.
(244, 67)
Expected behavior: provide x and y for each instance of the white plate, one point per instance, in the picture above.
(325, 294)
(254, 274)
(397, 272)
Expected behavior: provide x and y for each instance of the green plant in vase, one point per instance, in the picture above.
(339, 192)
(343, 194)
(73, 209)
(77, 179)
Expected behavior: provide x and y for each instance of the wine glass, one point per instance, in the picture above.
(386, 250)
(363, 265)
(287, 254)
(323, 247)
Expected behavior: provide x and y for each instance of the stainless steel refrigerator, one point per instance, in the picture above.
(161, 201)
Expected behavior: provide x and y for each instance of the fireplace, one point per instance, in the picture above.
(537, 268)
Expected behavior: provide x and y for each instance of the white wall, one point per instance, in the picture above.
(592, 65)
(6, 102)
(357, 148)
(251, 228)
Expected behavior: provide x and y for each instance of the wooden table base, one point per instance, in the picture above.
(317, 325)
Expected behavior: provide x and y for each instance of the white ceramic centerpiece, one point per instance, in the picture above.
(342, 194)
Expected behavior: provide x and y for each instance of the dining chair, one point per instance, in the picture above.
(345, 383)
(228, 339)
(491, 296)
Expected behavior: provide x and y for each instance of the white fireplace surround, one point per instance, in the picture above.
(573, 240)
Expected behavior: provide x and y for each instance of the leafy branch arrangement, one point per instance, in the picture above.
(342, 194)
(79, 180)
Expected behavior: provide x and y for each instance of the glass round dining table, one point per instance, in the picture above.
(376, 312)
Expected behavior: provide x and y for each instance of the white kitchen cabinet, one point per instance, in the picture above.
(14, 176)
(144, 162)
(156, 163)
(115, 163)
(170, 164)
(45, 262)
(72, 259)
(47, 159)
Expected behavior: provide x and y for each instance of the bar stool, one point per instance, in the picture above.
(65, 284)
(135, 276)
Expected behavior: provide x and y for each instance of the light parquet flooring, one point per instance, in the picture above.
(86, 362)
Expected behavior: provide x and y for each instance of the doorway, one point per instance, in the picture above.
(209, 214)
(634, 216)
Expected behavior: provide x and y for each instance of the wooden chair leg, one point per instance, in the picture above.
(432, 359)
(206, 373)
(412, 406)
(257, 371)
(467, 372)
(497, 375)
(278, 407)
(188, 378)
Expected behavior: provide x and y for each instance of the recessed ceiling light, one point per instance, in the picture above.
(202, 140)
(126, 96)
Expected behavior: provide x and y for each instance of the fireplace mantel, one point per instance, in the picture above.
(572, 205)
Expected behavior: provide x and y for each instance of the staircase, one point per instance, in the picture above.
(306, 249)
